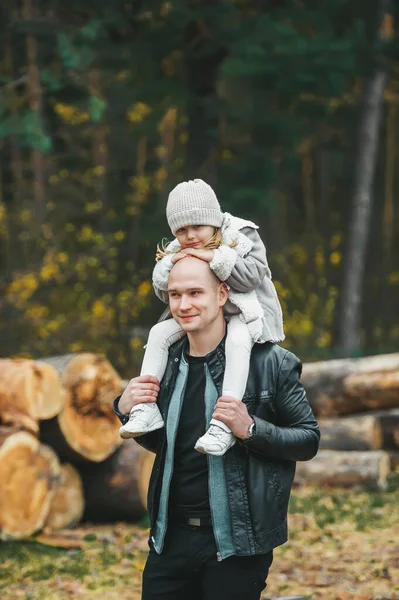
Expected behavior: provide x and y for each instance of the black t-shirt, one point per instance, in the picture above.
(189, 494)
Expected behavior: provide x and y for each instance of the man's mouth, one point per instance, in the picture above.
(187, 316)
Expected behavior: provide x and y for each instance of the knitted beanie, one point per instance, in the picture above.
(193, 203)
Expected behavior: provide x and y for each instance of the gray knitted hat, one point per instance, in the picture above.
(193, 203)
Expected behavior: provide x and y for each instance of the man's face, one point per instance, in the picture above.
(196, 296)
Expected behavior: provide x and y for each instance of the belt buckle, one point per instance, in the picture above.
(195, 522)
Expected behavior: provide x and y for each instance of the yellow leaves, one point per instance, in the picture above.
(25, 215)
(99, 309)
(144, 289)
(71, 114)
(335, 258)
(99, 170)
(119, 235)
(393, 277)
(138, 112)
(37, 312)
(49, 271)
(22, 288)
(136, 343)
(86, 234)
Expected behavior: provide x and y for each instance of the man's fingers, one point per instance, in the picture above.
(146, 379)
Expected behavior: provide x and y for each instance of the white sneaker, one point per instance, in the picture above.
(216, 441)
(143, 418)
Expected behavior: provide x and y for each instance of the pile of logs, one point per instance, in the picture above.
(356, 402)
(62, 459)
(61, 456)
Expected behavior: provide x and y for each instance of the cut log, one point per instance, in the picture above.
(117, 489)
(347, 386)
(373, 431)
(28, 473)
(86, 428)
(36, 387)
(345, 469)
(67, 506)
(394, 458)
(14, 418)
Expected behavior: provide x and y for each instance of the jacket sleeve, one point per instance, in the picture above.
(296, 435)
(160, 277)
(149, 441)
(242, 273)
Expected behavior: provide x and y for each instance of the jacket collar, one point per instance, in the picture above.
(216, 360)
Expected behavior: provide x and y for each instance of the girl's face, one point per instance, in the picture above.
(194, 236)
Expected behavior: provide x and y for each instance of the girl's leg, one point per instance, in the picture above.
(219, 438)
(146, 417)
(160, 339)
(238, 354)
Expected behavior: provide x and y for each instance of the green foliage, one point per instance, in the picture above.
(135, 99)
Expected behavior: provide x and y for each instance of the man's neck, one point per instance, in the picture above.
(200, 343)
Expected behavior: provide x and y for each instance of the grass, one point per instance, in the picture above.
(343, 546)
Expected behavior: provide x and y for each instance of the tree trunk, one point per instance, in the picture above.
(374, 431)
(358, 233)
(29, 473)
(117, 488)
(68, 503)
(347, 386)
(35, 105)
(86, 428)
(345, 469)
(361, 432)
(35, 387)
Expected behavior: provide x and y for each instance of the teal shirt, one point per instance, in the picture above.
(218, 499)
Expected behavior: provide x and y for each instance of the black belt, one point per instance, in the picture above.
(193, 521)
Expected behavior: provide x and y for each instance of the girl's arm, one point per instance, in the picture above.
(160, 277)
(243, 274)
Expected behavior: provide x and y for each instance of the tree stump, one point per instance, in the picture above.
(28, 472)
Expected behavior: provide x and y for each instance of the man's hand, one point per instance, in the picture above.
(140, 389)
(233, 413)
(206, 255)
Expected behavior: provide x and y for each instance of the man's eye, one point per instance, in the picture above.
(194, 293)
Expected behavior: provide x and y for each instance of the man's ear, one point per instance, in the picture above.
(223, 294)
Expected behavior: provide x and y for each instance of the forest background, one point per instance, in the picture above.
(288, 108)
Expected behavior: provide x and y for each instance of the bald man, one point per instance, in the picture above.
(215, 520)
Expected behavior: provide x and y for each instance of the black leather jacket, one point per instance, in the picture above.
(260, 471)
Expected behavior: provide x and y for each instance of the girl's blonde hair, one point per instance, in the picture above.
(214, 242)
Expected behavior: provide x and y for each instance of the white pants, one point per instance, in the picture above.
(238, 352)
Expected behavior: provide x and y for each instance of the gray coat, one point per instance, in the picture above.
(245, 270)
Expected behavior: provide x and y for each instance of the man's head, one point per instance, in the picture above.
(196, 296)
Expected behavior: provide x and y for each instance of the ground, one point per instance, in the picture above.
(344, 545)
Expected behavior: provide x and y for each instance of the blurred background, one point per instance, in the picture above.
(289, 109)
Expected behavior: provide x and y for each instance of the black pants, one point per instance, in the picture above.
(188, 569)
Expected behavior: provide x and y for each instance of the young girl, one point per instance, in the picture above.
(237, 256)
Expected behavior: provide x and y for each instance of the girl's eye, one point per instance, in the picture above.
(181, 230)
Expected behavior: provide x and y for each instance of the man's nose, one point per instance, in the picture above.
(185, 303)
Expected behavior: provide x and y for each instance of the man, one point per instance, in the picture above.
(215, 520)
